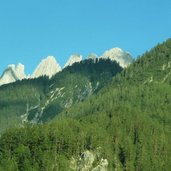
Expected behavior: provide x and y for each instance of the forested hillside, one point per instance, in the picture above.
(39, 100)
(153, 66)
(124, 126)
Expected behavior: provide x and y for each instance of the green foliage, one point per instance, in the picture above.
(153, 66)
(137, 121)
(41, 99)
(129, 120)
(15, 97)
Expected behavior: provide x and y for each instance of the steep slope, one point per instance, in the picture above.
(120, 56)
(125, 126)
(47, 67)
(73, 85)
(12, 74)
(148, 76)
(152, 67)
(135, 113)
(16, 98)
(41, 99)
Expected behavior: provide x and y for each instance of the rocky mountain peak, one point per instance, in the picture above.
(19, 69)
(92, 56)
(47, 67)
(117, 54)
(73, 59)
(12, 73)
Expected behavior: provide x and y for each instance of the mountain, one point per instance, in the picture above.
(47, 67)
(12, 74)
(132, 114)
(40, 99)
(121, 121)
(117, 54)
(73, 59)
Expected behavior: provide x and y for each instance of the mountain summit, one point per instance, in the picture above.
(117, 54)
(48, 67)
(73, 59)
(12, 73)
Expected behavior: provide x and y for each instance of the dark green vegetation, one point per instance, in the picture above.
(39, 100)
(129, 119)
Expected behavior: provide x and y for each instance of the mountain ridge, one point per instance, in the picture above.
(125, 125)
(39, 99)
(49, 66)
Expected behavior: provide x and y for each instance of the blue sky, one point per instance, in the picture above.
(31, 30)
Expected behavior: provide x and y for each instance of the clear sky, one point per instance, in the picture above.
(33, 29)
